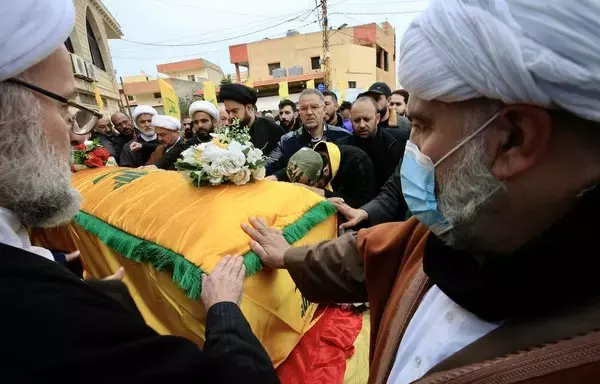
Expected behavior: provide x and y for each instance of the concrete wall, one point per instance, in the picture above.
(353, 54)
(291, 51)
(352, 63)
(106, 83)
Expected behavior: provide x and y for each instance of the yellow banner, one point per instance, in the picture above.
(284, 92)
(342, 90)
(249, 83)
(310, 84)
(170, 99)
(98, 98)
(210, 92)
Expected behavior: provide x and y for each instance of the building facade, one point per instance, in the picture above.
(359, 57)
(197, 70)
(90, 54)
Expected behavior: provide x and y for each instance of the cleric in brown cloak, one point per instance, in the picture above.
(495, 278)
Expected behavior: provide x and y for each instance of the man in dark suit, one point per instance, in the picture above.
(59, 329)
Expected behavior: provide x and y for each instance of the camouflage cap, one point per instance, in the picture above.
(305, 166)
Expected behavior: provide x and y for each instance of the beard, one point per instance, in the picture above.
(468, 196)
(246, 119)
(35, 180)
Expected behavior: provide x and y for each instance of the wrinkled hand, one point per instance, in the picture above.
(135, 146)
(225, 283)
(272, 178)
(268, 243)
(353, 215)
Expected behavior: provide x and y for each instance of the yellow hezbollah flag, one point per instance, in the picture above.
(165, 251)
(310, 84)
(249, 83)
(170, 99)
(342, 90)
(210, 92)
(284, 92)
(98, 98)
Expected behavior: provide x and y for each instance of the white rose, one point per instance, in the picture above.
(242, 177)
(189, 155)
(229, 166)
(254, 156)
(259, 174)
(88, 143)
(215, 180)
(236, 154)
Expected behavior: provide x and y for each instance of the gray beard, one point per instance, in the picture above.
(466, 192)
(35, 181)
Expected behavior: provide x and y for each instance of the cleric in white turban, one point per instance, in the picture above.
(205, 116)
(142, 119)
(494, 278)
(171, 144)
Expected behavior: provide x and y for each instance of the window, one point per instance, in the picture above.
(273, 66)
(129, 97)
(352, 84)
(69, 45)
(378, 57)
(386, 62)
(192, 77)
(157, 95)
(315, 62)
(94, 47)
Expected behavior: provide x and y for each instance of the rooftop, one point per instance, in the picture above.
(186, 65)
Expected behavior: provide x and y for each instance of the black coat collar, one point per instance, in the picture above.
(558, 268)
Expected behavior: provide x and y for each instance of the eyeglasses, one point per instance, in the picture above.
(314, 108)
(81, 118)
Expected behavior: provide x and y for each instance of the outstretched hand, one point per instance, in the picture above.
(268, 243)
(225, 283)
(353, 215)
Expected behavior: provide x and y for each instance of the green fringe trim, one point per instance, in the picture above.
(185, 274)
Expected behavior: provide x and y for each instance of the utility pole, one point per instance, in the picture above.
(326, 54)
(126, 97)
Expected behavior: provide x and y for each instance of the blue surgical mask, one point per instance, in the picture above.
(418, 183)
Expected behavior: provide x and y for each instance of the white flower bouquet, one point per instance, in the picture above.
(228, 158)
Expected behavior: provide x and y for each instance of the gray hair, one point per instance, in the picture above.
(311, 92)
(34, 177)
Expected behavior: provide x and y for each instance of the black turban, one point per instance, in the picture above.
(238, 92)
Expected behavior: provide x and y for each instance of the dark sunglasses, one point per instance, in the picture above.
(81, 118)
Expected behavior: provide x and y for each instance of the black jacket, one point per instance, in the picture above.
(59, 329)
(265, 134)
(113, 143)
(389, 204)
(168, 160)
(354, 181)
(292, 142)
(383, 149)
(138, 158)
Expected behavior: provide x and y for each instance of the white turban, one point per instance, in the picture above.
(142, 110)
(166, 122)
(204, 106)
(518, 51)
(30, 31)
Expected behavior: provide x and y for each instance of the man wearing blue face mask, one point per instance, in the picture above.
(494, 279)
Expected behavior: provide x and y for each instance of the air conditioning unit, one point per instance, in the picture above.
(296, 70)
(91, 71)
(279, 73)
(79, 69)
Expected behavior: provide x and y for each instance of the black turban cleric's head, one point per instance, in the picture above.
(238, 92)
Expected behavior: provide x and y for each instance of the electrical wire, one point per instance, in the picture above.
(303, 14)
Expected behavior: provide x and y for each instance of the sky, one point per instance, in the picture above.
(206, 29)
